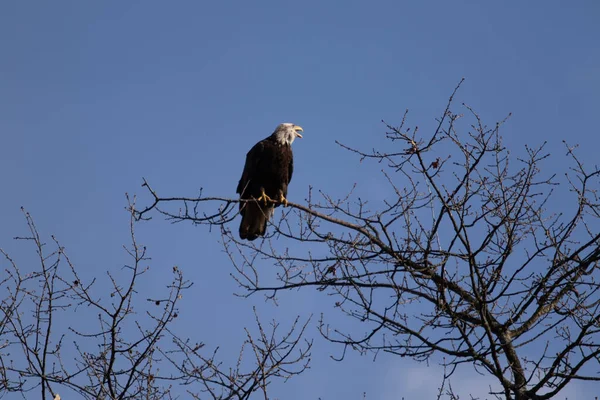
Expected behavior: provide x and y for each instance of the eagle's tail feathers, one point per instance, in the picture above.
(254, 220)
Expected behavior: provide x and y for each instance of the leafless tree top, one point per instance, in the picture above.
(476, 256)
(120, 345)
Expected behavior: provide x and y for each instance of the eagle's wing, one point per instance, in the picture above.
(290, 168)
(250, 168)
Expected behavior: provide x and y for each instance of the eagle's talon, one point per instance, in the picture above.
(283, 200)
(264, 198)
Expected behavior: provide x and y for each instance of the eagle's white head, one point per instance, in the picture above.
(287, 132)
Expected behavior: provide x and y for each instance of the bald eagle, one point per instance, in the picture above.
(267, 173)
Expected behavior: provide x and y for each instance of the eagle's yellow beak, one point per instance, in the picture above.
(298, 129)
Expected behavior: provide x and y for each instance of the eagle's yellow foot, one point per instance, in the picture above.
(283, 200)
(264, 198)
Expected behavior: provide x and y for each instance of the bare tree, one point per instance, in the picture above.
(472, 258)
(120, 345)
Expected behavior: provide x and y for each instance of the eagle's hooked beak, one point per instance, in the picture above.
(298, 129)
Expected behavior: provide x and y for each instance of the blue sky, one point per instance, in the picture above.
(96, 95)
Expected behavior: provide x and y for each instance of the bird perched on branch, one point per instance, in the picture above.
(267, 173)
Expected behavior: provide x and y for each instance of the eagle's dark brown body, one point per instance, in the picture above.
(268, 169)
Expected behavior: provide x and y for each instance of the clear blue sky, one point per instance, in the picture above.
(96, 95)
